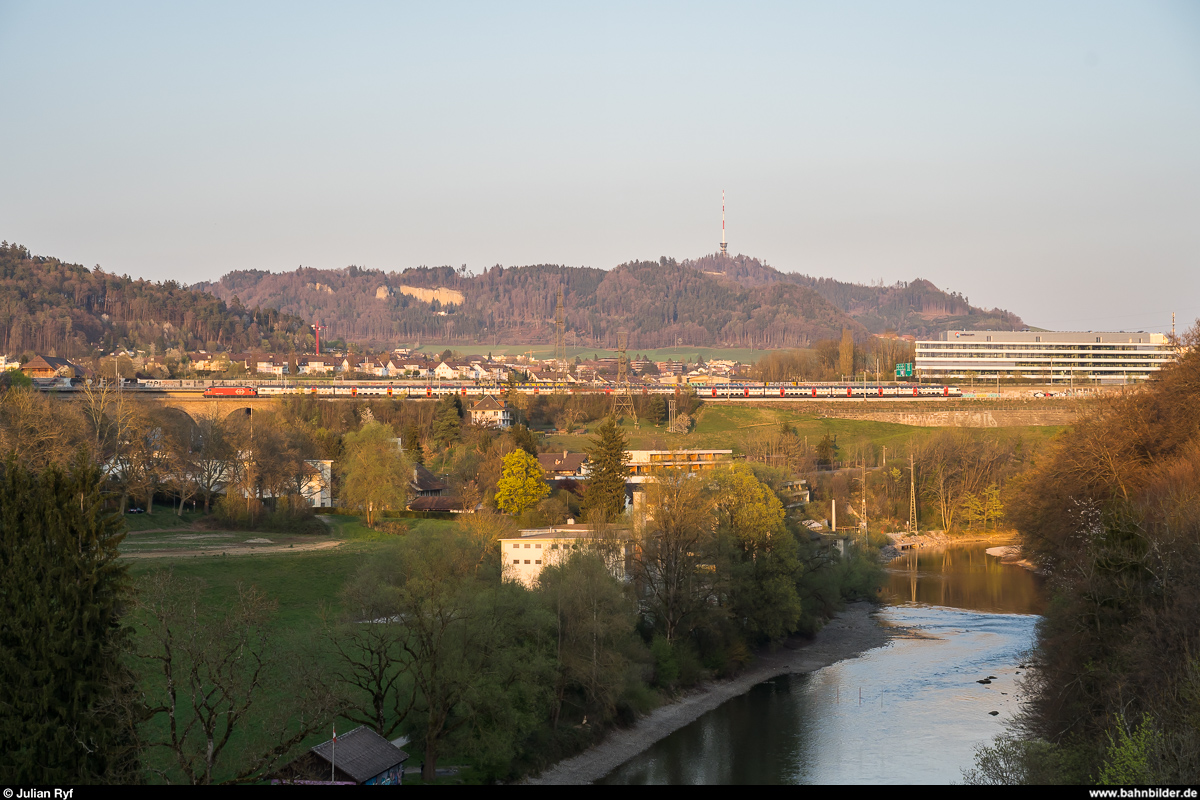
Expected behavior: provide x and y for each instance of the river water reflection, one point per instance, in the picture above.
(909, 712)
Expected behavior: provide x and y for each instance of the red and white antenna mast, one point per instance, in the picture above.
(724, 247)
(317, 328)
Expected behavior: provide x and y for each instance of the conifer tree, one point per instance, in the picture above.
(608, 460)
(447, 422)
(412, 444)
(62, 591)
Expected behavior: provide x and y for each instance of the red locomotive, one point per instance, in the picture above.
(231, 391)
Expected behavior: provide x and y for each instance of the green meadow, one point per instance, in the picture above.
(729, 426)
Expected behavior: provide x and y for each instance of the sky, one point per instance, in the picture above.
(1040, 157)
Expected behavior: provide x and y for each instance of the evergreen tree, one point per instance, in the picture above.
(608, 460)
(62, 684)
(656, 410)
(447, 422)
(524, 439)
(412, 444)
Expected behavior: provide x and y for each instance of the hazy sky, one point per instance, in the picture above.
(1043, 157)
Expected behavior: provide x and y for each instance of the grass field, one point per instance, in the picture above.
(727, 427)
(163, 517)
(300, 581)
(303, 583)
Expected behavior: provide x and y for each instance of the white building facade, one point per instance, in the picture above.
(1051, 357)
(525, 556)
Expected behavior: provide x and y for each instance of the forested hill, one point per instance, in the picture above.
(67, 310)
(914, 307)
(658, 302)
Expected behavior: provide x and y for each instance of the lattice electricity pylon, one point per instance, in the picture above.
(622, 394)
(560, 345)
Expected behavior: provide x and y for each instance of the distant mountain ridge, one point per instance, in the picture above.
(657, 302)
(914, 307)
(710, 301)
(50, 307)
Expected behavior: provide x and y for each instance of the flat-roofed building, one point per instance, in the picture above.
(1044, 356)
(526, 555)
(644, 463)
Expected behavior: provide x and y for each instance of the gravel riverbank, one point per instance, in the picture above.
(848, 635)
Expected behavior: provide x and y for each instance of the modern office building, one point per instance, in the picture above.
(1051, 357)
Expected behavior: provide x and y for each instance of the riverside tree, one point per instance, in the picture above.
(472, 649)
(675, 546)
(756, 555)
(62, 639)
(1111, 512)
(594, 617)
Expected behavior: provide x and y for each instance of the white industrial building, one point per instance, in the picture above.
(1049, 357)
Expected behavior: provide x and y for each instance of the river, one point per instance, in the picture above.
(909, 712)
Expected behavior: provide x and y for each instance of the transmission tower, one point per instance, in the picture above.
(560, 344)
(623, 395)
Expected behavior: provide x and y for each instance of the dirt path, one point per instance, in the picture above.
(848, 635)
(235, 549)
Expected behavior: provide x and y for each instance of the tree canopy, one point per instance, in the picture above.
(521, 486)
(375, 474)
(62, 683)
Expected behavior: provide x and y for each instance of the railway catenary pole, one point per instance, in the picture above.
(912, 494)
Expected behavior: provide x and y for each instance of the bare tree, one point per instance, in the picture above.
(216, 672)
(672, 562)
(214, 456)
(37, 430)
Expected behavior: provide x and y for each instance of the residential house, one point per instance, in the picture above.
(564, 465)
(360, 757)
(444, 504)
(317, 486)
(525, 556)
(317, 365)
(794, 493)
(425, 484)
(203, 361)
(445, 372)
(417, 370)
(492, 413)
(271, 364)
(375, 365)
(474, 371)
(51, 367)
